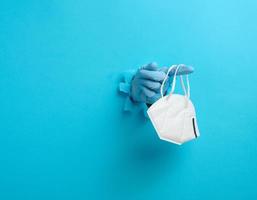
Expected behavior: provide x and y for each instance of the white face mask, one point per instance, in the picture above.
(173, 116)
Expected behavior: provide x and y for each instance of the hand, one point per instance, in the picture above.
(146, 83)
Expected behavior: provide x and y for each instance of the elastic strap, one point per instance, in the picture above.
(166, 77)
(187, 92)
(174, 79)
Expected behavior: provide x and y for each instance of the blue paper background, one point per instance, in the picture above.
(62, 131)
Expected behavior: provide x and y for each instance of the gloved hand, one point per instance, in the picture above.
(145, 85)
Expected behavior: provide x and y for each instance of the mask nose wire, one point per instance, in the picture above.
(165, 79)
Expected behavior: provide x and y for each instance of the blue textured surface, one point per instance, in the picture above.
(62, 132)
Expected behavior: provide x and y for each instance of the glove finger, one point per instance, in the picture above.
(147, 92)
(152, 85)
(183, 70)
(152, 75)
(151, 66)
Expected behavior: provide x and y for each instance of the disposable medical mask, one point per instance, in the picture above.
(173, 116)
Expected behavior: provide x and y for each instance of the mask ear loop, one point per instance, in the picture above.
(187, 92)
(166, 77)
(174, 80)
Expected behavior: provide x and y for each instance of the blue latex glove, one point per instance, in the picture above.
(145, 86)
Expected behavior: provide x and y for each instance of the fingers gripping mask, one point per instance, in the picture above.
(173, 116)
